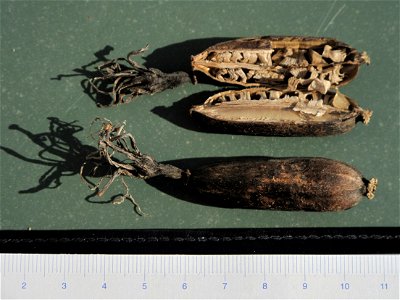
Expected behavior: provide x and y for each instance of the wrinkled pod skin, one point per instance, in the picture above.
(311, 184)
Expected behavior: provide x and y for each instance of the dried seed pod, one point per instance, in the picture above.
(274, 60)
(316, 184)
(267, 111)
(305, 71)
(295, 67)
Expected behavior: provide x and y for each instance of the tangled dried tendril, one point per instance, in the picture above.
(117, 150)
(123, 79)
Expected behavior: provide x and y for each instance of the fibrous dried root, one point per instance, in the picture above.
(123, 79)
(117, 150)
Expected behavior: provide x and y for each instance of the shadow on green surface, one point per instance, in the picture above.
(88, 73)
(179, 112)
(61, 151)
(177, 57)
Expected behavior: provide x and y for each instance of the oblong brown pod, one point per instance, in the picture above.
(299, 183)
(280, 60)
(272, 112)
(302, 183)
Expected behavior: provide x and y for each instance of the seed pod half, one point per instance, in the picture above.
(267, 111)
(314, 184)
(291, 61)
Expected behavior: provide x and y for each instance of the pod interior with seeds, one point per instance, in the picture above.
(269, 111)
(293, 62)
(297, 183)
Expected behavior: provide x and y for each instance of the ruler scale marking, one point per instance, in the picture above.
(24, 273)
(36, 263)
(63, 268)
(374, 276)
(343, 267)
(28, 264)
(3, 263)
(391, 265)
(45, 266)
(263, 268)
(20, 264)
(8, 263)
(312, 264)
(384, 268)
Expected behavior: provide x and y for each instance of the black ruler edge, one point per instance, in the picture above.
(371, 240)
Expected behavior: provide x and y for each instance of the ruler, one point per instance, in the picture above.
(64, 276)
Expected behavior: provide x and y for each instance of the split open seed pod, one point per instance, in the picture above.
(294, 86)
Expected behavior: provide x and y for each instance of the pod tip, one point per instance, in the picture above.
(366, 116)
(365, 58)
(371, 188)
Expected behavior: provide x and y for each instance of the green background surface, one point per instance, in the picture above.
(40, 188)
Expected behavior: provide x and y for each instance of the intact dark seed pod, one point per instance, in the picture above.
(316, 184)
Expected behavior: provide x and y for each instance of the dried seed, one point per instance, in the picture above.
(311, 107)
(319, 85)
(335, 55)
(315, 184)
(316, 58)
